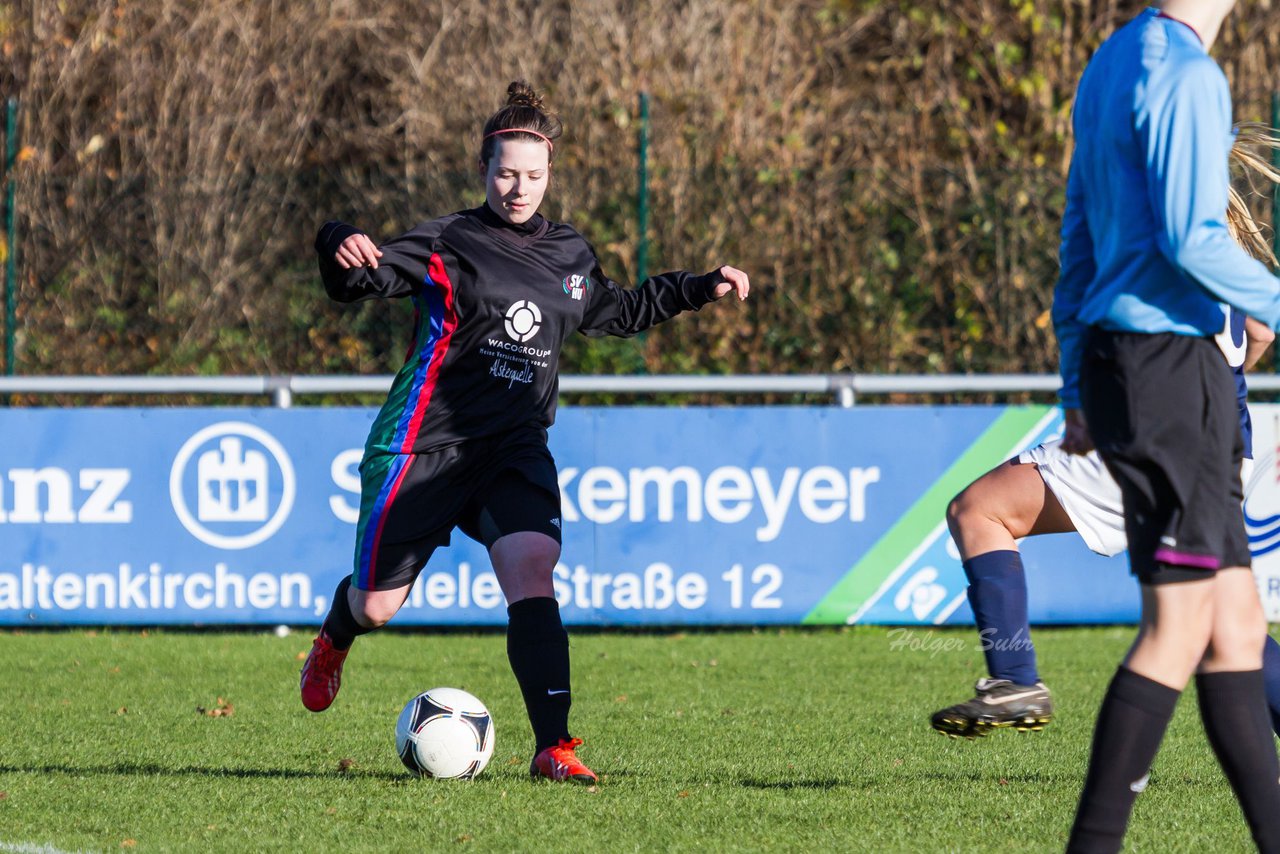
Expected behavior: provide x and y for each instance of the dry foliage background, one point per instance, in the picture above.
(889, 171)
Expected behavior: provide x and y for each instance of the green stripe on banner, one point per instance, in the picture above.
(993, 447)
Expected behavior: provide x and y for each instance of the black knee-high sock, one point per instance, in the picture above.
(341, 625)
(1233, 708)
(1131, 723)
(1271, 678)
(538, 648)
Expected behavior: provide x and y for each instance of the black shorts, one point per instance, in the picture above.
(410, 503)
(1162, 411)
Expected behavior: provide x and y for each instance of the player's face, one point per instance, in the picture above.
(516, 179)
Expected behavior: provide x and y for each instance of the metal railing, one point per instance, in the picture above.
(844, 389)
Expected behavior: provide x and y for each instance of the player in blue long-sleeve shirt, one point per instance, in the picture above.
(1152, 253)
(1146, 261)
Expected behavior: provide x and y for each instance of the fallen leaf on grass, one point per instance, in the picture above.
(683, 794)
(3, 795)
(128, 843)
(123, 710)
(222, 710)
(345, 765)
(466, 837)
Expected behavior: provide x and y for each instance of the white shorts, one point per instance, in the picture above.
(1084, 488)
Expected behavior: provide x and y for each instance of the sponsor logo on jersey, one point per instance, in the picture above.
(232, 485)
(576, 286)
(524, 319)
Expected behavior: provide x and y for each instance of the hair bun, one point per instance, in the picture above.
(521, 94)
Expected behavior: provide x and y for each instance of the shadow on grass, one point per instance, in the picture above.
(752, 783)
(1033, 778)
(889, 781)
(133, 769)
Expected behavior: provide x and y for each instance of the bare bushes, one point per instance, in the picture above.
(890, 172)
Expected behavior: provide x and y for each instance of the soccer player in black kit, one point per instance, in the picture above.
(461, 441)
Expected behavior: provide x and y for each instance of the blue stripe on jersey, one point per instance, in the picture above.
(373, 527)
(430, 304)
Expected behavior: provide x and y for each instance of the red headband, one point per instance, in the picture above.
(523, 130)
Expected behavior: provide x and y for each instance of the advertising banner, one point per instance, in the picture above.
(670, 516)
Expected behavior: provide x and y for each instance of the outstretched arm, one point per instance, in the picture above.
(615, 310)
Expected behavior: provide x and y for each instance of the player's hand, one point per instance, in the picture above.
(1076, 438)
(734, 280)
(357, 251)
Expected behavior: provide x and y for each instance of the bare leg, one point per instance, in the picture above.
(1239, 624)
(373, 608)
(523, 563)
(1173, 636)
(1004, 505)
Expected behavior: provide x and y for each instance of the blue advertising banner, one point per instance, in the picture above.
(778, 515)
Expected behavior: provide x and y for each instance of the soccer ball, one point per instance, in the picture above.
(445, 732)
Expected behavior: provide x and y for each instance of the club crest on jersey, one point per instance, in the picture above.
(576, 286)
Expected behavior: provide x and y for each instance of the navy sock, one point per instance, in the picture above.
(538, 648)
(341, 625)
(1271, 678)
(1235, 720)
(998, 596)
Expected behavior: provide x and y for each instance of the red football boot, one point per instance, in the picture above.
(559, 763)
(322, 673)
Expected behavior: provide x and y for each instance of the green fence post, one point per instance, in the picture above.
(11, 234)
(642, 195)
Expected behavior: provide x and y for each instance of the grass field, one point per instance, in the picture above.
(745, 740)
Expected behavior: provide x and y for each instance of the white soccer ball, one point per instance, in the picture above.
(445, 732)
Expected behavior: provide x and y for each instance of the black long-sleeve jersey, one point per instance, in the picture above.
(494, 303)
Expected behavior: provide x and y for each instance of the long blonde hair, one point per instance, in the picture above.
(1250, 159)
